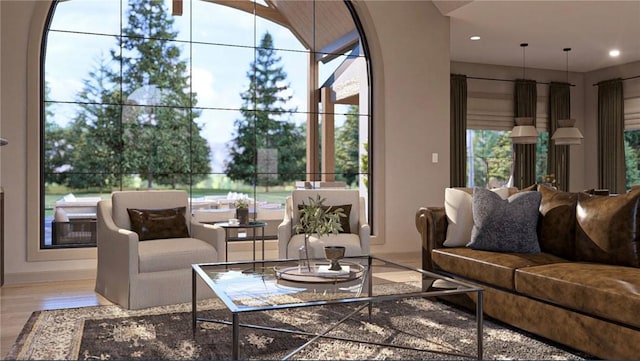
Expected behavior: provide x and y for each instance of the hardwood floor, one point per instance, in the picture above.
(17, 302)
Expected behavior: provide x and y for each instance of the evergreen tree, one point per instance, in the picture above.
(57, 148)
(266, 149)
(542, 150)
(95, 133)
(347, 147)
(492, 156)
(631, 157)
(162, 142)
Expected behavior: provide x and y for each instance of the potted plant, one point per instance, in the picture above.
(316, 218)
(242, 210)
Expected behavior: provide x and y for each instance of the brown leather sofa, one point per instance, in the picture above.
(582, 290)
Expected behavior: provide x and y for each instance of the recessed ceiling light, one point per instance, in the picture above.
(474, 38)
(614, 53)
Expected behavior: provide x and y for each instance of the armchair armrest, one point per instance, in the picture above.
(210, 233)
(431, 223)
(364, 232)
(117, 247)
(284, 235)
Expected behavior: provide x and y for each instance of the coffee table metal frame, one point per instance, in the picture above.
(364, 299)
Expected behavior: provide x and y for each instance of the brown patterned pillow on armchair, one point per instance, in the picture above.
(159, 223)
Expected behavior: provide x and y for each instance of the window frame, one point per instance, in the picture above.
(35, 130)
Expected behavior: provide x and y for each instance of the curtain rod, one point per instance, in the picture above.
(509, 80)
(623, 79)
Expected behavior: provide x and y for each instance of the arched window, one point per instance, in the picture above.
(242, 98)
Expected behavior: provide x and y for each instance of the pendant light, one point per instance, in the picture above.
(524, 131)
(567, 133)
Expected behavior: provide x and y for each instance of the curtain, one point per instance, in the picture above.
(458, 136)
(558, 156)
(611, 165)
(524, 165)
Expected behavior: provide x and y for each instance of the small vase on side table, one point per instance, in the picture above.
(243, 215)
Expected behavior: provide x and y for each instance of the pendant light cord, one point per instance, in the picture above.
(523, 45)
(567, 50)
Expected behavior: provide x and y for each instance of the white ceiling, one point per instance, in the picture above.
(590, 28)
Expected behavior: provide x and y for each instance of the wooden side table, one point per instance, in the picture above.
(251, 225)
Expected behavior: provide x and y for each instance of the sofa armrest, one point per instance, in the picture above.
(431, 223)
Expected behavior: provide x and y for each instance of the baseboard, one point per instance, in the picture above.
(48, 276)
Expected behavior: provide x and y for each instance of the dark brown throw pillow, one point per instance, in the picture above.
(606, 229)
(344, 221)
(158, 223)
(557, 225)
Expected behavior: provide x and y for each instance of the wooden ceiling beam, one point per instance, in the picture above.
(251, 7)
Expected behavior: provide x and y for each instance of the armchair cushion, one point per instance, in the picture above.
(159, 223)
(173, 253)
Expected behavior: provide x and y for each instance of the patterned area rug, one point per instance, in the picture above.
(109, 332)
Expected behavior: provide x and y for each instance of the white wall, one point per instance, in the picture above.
(16, 18)
(410, 46)
(411, 112)
(502, 93)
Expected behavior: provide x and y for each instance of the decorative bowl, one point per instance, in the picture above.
(334, 254)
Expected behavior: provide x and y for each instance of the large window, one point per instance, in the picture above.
(247, 99)
(490, 158)
(632, 156)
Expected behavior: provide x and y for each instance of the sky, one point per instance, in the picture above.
(218, 72)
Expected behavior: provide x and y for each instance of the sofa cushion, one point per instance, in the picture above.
(557, 225)
(607, 227)
(174, 253)
(505, 225)
(495, 268)
(457, 205)
(612, 292)
(159, 223)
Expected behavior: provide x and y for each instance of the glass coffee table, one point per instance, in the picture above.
(266, 285)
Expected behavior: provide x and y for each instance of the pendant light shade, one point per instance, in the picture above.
(567, 133)
(524, 132)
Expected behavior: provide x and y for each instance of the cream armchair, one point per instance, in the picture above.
(137, 274)
(356, 241)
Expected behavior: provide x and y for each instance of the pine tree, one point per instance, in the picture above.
(347, 147)
(57, 148)
(95, 133)
(266, 148)
(161, 140)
